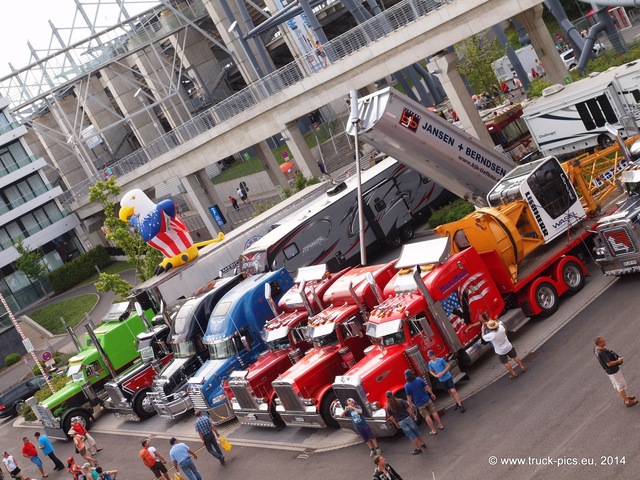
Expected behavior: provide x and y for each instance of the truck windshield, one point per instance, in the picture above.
(75, 372)
(221, 350)
(146, 353)
(390, 339)
(183, 349)
(279, 343)
(328, 339)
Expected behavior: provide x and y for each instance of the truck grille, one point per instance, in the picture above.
(288, 397)
(619, 241)
(348, 391)
(198, 400)
(115, 394)
(242, 393)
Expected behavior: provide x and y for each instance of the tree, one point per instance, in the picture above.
(144, 257)
(30, 263)
(111, 282)
(476, 55)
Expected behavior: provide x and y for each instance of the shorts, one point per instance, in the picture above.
(448, 384)
(82, 451)
(36, 461)
(410, 428)
(366, 433)
(91, 443)
(158, 469)
(618, 381)
(427, 409)
(14, 472)
(510, 354)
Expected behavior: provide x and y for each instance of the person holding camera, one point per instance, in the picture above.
(611, 361)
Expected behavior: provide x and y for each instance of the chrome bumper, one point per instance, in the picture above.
(255, 418)
(171, 406)
(380, 428)
(302, 419)
(221, 413)
(125, 414)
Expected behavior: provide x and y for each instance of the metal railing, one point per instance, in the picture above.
(391, 20)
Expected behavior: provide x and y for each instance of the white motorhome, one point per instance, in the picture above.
(326, 231)
(503, 68)
(569, 119)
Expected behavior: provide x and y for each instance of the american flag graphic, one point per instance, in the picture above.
(474, 289)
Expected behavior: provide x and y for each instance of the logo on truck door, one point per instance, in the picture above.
(410, 120)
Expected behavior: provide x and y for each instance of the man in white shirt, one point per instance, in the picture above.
(12, 466)
(497, 335)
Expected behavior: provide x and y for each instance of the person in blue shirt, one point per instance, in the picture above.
(420, 396)
(45, 445)
(181, 455)
(361, 426)
(439, 368)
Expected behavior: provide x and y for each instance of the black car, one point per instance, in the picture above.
(18, 393)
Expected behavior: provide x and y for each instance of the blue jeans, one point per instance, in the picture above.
(409, 428)
(189, 469)
(211, 444)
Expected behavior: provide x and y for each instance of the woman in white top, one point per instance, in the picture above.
(12, 466)
(497, 335)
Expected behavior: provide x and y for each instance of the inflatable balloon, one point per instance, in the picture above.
(161, 227)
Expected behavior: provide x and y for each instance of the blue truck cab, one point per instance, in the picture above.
(234, 340)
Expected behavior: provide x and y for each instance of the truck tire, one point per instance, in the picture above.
(572, 277)
(407, 233)
(142, 405)
(66, 420)
(605, 141)
(547, 299)
(325, 410)
(395, 241)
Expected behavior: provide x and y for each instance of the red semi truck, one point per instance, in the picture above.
(252, 396)
(304, 394)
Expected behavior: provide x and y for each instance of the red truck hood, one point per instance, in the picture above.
(381, 370)
(315, 370)
(266, 369)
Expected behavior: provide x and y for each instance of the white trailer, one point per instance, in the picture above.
(569, 119)
(420, 139)
(503, 68)
(222, 257)
(326, 230)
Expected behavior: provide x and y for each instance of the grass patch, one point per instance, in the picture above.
(243, 169)
(73, 310)
(115, 267)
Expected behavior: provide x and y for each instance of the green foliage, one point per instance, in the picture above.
(11, 359)
(536, 86)
(78, 269)
(287, 192)
(262, 207)
(610, 58)
(144, 257)
(58, 381)
(72, 310)
(60, 358)
(30, 262)
(109, 282)
(450, 213)
(476, 55)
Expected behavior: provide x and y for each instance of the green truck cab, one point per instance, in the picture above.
(89, 371)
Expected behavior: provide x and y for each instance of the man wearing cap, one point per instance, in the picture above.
(439, 368)
(29, 451)
(181, 455)
(497, 335)
(420, 395)
(354, 412)
(47, 448)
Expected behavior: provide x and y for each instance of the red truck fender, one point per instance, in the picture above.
(540, 297)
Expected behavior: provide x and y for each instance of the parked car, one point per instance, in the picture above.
(16, 394)
(569, 57)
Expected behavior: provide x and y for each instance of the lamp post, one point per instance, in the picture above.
(354, 119)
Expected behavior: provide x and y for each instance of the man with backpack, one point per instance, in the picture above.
(108, 475)
(153, 460)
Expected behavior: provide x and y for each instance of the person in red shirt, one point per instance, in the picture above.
(92, 446)
(29, 451)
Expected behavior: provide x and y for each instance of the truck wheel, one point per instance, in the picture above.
(407, 233)
(395, 241)
(572, 277)
(142, 405)
(66, 421)
(277, 419)
(547, 298)
(325, 410)
(605, 141)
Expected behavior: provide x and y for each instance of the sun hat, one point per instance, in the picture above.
(492, 325)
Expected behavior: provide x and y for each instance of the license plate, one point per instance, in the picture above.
(251, 416)
(628, 263)
(298, 419)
